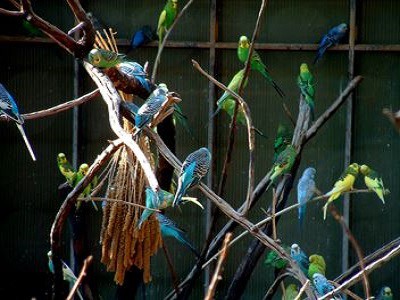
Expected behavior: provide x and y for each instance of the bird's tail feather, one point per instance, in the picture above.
(28, 145)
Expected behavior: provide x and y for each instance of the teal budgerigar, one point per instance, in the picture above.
(163, 201)
(284, 162)
(9, 108)
(323, 286)
(305, 81)
(82, 171)
(256, 63)
(343, 184)
(68, 274)
(373, 181)
(194, 168)
(385, 294)
(170, 229)
(66, 169)
(167, 17)
(151, 107)
(300, 257)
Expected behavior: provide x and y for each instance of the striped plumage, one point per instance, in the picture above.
(195, 166)
(10, 109)
(332, 38)
(105, 59)
(323, 286)
(151, 107)
(373, 181)
(133, 70)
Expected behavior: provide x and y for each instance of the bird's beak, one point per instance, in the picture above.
(193, 200)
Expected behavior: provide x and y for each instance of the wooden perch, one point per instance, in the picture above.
(81, 276)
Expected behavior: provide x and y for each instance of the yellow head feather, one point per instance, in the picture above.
(84, 168)
(244, 42)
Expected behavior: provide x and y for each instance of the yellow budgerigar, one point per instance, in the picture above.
(344, 184)
(373, 181)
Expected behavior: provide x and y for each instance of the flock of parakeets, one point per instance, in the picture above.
(197, 164)
(314, 268)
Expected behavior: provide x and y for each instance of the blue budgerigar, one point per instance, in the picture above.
(10, 109)
(385, 294)
(195, 166)
(323, 286)
(142, 36)
(305, 191)
(300, 257)
(151, 107)
(169, 228)
(163, 201)
(332, 38)
(133, 70)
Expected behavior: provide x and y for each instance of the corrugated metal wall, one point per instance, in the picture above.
(41, 75)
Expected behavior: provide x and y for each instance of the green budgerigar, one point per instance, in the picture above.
(167, 17)
(317, 265)
(305, 81)
(82, 171)
(283, 138)
(284, 162)
(373, 181)
(256, 63)
(105, 59)
(273, 259)
(227, 103)
(65, 168)
(291, 292)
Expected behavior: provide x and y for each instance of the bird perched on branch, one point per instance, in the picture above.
(66, 169)
(284, 162)
(9, 108)
(255, 62)
(385, 294)
(344, 184)
(274, 260)
(305, 191)
(332, 38)
(373, 181)
(151, 107)
(305, 82)
(167, 17)
(323, 286)
(291, 292)
(169, 228)
(300, 257)
(317, 265)
(163, 201)
(195, 166)
(283, 138)
(82, 171)
(142, 36)
(68, 274)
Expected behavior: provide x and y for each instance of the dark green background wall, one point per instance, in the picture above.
(41, 75)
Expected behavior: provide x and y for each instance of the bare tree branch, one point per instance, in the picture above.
(82, 274)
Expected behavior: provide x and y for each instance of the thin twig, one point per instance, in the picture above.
(219, 269)
(346, 291)
(101, 199)
(58, 108)
(174, 276)
(303, 288)
(339, 218)
(161, 47)
(368, 269)
(82, 274)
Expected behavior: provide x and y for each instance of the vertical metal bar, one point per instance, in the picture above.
(211, 125)
(349, 129)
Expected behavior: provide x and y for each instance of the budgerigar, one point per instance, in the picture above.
(227, 103)
(65, 168)
(195, 166)
(256, 63)
(105, 59)
(305, 191)
(323, 286)
(167, 17)
(300, 257)
(142, 36)
(68, 274)
(9, 108)
(274, 260)
(163, 201)
(373, 181)
(305, 81)
(332, 38)
(317, 265)
(291, 292)
(151, 107)
(282, 140)
(344, 184)
(385, 294)
(284, 162)
(169, 228)
(82, 171)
